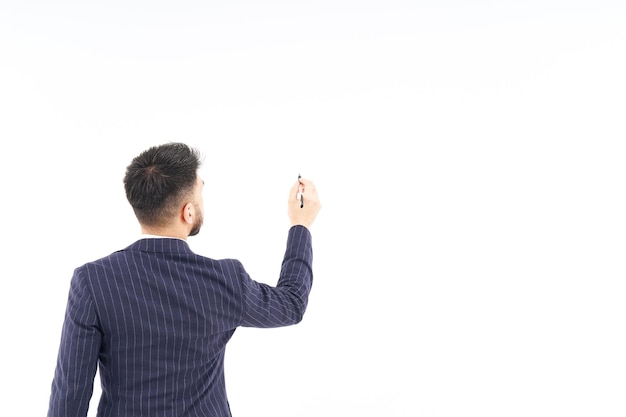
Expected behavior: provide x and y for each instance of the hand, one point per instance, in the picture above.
(306, 214)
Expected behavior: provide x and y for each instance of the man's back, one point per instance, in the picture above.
(158, 318)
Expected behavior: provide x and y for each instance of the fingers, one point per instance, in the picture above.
(309, 197)
(304, 202)
(306, 189)
(294, 194)
(305, 184)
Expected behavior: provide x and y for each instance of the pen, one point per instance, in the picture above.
(301, 200)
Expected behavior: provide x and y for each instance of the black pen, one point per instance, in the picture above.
(301, 200)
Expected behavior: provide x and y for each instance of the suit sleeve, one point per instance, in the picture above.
(284, 304)
(72, 386)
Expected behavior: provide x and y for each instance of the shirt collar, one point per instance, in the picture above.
(149, 236)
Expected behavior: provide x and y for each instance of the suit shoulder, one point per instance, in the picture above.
(104, 262)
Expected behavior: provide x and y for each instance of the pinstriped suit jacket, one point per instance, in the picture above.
(155, 317)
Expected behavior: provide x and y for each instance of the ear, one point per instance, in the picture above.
(189, 213)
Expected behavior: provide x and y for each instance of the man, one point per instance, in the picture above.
(155, 317)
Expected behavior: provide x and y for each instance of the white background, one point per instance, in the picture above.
(469, 256)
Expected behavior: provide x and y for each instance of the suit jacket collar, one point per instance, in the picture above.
(160, 245)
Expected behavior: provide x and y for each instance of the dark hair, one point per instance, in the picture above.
(158, 179)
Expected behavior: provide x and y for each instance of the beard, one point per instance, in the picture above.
(197, 225)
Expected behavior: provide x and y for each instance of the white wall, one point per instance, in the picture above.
(469, 257)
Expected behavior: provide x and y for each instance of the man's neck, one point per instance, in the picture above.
(164, 232)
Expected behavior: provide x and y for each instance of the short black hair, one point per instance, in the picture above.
(158, 178)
